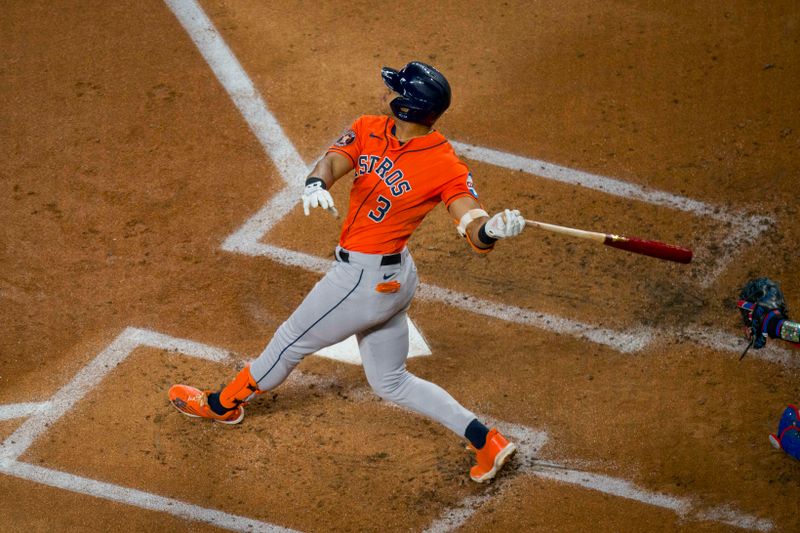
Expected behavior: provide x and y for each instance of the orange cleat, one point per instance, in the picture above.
(194, 402)
(491, 458)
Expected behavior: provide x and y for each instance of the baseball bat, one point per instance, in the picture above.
(661, 250)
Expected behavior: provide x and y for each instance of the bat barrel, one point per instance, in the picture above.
(657, 249)
(668, 252)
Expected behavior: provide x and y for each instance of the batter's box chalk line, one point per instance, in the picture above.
(279, 148)
(530, 441)
(21, 410)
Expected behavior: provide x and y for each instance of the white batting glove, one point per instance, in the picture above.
(315, 195)
(508, 223)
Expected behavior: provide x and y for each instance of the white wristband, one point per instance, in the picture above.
(468, 217)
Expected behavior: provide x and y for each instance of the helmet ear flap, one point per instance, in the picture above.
(400, 108)
(405, 110)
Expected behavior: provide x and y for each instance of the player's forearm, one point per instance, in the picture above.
(323, 170)
(330, 168)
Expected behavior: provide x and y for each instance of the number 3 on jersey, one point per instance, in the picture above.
(377, 214)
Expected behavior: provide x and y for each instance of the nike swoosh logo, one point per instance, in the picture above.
(387, 276)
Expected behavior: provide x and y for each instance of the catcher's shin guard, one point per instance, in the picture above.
(240, 390)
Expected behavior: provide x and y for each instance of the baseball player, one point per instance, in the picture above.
(403, 169)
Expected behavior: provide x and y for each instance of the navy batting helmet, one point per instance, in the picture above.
(424, 92)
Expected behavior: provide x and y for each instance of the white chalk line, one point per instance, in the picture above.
(625, 342)
(286, 256)
(682, 506)
(20, 410)
(246, 239)
(69, 395)
(529, 440)
(744, 232)
(727, 342)
(595, 182)
(66, 397)
(136, 498)
(727, 515)
(239, 86)
(614, 486)
(63, 400)
(455, 517)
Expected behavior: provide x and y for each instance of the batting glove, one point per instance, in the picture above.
(508, 223)
(316, 195)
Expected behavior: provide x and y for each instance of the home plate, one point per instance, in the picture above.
(347, 350)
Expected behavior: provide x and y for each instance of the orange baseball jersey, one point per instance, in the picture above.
(395, 184)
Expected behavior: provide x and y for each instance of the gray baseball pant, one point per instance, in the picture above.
(345, 302)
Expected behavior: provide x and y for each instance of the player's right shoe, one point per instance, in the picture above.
(491, 458)
(194, 402)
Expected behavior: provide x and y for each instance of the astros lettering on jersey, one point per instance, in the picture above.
(396, 184)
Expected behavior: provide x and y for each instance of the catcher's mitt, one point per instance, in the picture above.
(760, 300)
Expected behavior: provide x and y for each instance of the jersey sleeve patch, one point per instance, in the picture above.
(347, 138)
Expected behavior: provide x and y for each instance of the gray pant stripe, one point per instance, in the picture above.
(311, 326)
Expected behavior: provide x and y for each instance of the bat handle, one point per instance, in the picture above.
(563, 230)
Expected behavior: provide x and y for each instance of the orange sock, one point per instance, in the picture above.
(241, 389)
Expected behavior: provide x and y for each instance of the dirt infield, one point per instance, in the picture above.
(126, 165)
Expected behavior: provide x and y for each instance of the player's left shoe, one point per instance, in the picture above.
(491, 458)
(194, 402)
